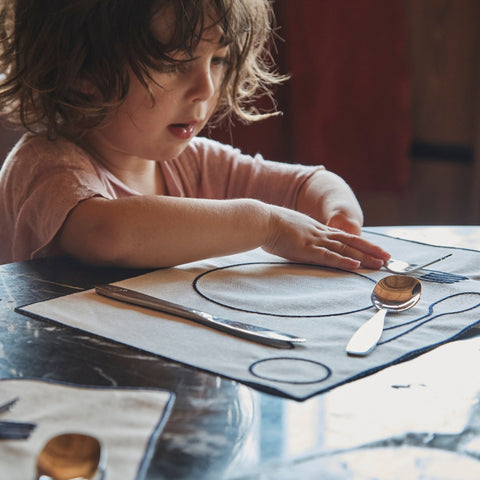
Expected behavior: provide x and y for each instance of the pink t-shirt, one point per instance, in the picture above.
(41, 181)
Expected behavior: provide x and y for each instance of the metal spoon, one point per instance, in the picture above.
(393, 293)
(71, 456)
(400, 267)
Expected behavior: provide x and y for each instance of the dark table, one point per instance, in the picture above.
(222, 429)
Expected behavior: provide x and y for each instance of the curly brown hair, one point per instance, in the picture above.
(51, 49)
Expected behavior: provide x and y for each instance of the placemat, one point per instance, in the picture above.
(127, 422)
(324, 305)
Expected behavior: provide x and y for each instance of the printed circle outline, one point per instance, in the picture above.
(328, 371)
(198, 278)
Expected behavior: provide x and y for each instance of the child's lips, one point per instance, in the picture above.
(184, 131)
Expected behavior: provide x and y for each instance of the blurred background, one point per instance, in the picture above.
(383, 93)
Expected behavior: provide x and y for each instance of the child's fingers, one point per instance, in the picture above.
(330, 258)
(330, 253)
(341, 250)
(333, 251)
(360, 244)
(300, 238)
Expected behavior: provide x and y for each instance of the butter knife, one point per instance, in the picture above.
(239, 329)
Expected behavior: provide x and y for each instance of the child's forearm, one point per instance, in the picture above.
(156, 231)
(328, 198)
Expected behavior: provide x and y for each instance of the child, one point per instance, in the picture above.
(114, 93)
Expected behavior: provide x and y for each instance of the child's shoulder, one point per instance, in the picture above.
(40, 144)
(39, 149)
(35, 157)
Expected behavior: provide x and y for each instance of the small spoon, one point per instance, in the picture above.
(71, 456)
(400, 267)
(393, 293)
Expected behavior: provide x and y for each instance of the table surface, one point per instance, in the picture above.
(406, 419)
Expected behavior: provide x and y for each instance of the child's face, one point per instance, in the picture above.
(186, 96)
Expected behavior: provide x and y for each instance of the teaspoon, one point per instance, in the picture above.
(71, 456)
(393, 293)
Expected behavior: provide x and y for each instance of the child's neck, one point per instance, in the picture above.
(143, 176)
(147, 181)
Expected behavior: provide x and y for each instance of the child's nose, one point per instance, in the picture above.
(203, 84)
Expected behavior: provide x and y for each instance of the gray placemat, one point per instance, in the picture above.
(126, 421)
(324, 305)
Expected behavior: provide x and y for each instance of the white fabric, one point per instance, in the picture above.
(124, 421)
(323, 305)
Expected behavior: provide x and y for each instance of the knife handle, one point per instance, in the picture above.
(239, 329)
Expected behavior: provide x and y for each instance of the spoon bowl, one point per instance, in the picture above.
(71, 456)
(394, 293)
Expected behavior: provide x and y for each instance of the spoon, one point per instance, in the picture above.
(71, 456)
(393, 293)
(400, 267)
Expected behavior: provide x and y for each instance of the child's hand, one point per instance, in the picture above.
(300, 238)
(327, 198)
(346, 223)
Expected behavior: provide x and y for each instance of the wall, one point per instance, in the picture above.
(445, 171)
(444, 160)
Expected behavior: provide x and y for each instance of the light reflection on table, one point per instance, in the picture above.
(466, 236)
(417, 419)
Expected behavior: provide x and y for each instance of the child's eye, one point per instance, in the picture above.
(172, 67)
(168, 68)
(220, 61)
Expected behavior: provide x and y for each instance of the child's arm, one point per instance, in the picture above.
(327, 198)
(158, 231)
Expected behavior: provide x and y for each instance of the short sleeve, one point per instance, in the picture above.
(209, 169)
(40, 183)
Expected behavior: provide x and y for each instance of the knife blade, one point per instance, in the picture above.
(4, 407)
(239, 329)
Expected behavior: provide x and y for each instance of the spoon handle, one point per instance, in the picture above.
(365, 339)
